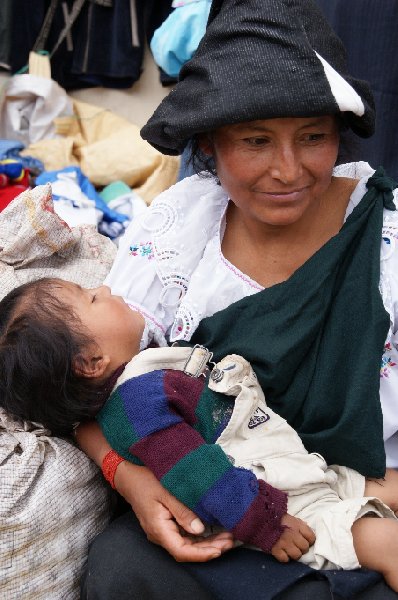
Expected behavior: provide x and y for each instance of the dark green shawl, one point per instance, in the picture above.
(316, 340)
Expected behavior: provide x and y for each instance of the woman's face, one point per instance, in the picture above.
(275, 170)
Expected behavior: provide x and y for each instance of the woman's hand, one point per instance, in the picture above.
(165, 520)
(295, 540)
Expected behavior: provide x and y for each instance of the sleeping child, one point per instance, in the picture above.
(69, 354)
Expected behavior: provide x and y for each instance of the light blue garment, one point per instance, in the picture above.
(176, 40)
(7, 145)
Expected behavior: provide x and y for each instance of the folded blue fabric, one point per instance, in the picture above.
(7, 145)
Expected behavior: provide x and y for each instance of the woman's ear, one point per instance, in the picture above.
(90, 366)
(205, 144)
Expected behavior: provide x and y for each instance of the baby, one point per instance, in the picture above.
(68, 354)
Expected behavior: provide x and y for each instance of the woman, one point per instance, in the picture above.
(281, 229)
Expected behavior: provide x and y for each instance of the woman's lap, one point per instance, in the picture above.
(124, 565)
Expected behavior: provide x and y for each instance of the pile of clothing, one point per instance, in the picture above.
(81, 149)
(72, 31)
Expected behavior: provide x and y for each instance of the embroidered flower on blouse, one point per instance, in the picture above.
(390, 236)
(143, 249)
(388, 232)
(386, 361)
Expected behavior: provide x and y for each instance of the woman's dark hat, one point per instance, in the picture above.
(261, 59)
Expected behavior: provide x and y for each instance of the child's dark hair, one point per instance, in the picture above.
(40, 341)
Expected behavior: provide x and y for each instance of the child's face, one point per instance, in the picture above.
(116, 329)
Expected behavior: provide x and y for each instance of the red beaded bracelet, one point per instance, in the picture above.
(109, 465)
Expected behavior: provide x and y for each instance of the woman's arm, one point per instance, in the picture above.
(160, 514)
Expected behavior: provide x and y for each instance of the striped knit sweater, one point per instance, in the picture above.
(169, 422)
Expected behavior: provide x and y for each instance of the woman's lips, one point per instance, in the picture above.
(286, 196)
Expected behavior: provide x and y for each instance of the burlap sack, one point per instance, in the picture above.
(53, 502)
(53, 499)
(35, 242)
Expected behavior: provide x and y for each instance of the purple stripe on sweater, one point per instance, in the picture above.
(163, 449)
(183, 393)
(261, 525)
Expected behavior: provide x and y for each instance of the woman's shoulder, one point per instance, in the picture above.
(389, 234)
(359, 173)
(182, 220)
(174, 230)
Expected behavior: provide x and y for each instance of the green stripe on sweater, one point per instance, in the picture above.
(116, 427)
(193, 475)
(211, 413)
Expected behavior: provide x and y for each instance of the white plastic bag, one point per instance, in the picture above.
(29, 106)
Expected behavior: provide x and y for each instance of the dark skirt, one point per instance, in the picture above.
(124, 565)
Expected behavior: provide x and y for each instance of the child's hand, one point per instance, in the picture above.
(295, 540)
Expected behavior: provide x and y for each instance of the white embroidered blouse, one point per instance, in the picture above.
(171, 268)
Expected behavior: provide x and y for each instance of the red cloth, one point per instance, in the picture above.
(12, 190)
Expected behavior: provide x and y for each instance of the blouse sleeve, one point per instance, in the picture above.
(389, 362)
(134, 277)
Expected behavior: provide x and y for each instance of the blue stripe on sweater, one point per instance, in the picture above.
(229, 498)
(146, 404)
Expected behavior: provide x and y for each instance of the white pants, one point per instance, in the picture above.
(328, 499)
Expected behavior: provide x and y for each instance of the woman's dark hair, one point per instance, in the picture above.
(349, 147)
(40, 341)
(203, 164)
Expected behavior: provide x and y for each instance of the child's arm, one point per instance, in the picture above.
(160, 514)
(139, 424)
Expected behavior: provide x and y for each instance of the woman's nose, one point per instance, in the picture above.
(286, 165)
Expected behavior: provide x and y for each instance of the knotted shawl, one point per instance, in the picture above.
(316, 340)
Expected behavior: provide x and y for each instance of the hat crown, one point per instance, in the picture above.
(261, 59)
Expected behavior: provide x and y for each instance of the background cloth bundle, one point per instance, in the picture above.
(53, 498)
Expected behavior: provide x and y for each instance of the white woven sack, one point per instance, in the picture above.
(53, 499)
(53, 502)
(35, 242)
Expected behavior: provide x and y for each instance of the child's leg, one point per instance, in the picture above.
(385, 489)
(376, 546)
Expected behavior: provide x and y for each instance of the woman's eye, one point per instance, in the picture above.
(314, 137)
(256, 141)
